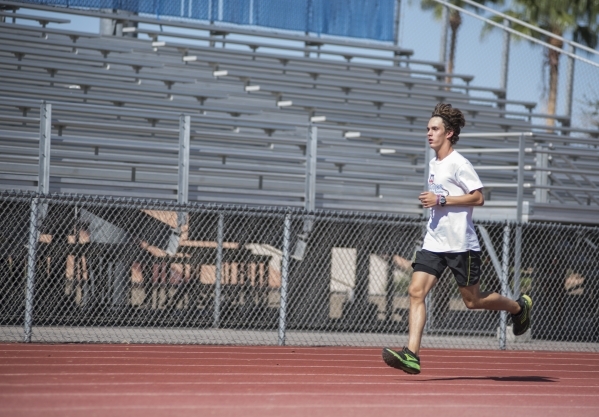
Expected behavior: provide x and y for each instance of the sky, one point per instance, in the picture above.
(476, 55)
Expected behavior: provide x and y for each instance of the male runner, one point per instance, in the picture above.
(450, 241)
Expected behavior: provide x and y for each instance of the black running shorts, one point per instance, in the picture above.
(464, 265)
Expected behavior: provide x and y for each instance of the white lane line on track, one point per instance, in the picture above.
(384, 371)
(270, 407)
(294, 357)
(437, 383)
(243, 363)
(302, 364)
(339, 351)
(411, 380)
(292, 393)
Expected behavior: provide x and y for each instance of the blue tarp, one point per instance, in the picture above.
(369, 19)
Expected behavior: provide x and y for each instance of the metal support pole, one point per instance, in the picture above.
(519, 220)
(492, 254)
(569, 85)
(520, 192)
(396, 22)
(309, 193)
(44, 149)
(183, 184)
(31, 264)
(107, 25)
(389, 290)
(505, 289)
(517, 261)
(502, 329)
(541, 176)
(111, 27)
(38, 212)
(219, 269)
(284, 279)
(505, 260)
(311, 151)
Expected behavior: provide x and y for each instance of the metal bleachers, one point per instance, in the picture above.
(253, 105)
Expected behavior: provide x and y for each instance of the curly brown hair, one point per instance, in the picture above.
(453, 119)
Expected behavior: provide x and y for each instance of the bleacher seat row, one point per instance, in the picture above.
(117, 100)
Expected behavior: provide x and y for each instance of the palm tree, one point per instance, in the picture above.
(455, 21)
(559, 17)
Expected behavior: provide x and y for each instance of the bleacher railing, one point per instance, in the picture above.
(96, 269)
(541, 180)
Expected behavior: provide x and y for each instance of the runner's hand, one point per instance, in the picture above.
(428, 199)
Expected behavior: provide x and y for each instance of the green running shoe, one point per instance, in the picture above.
(405, 359)
(522, 319)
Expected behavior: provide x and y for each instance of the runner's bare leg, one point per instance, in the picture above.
(488, 300)
(420, 286)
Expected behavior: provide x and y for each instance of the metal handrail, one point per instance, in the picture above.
(515, 32)
(533, 27)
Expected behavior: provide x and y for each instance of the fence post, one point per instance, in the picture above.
(520, 191)
(505, 265)
(519, 220)
(219, 269)
(284, 279)
(540, 196)
(38, 212)
(519, 210)
(517, 260)
(31, 264)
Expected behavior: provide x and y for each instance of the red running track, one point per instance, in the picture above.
(157, 380)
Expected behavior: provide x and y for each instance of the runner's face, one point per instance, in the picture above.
(437, 135)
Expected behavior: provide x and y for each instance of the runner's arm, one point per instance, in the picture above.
(474, 198)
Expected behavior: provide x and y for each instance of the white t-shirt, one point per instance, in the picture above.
(450, 228)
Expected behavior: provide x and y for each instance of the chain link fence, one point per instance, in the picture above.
(96, 269)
